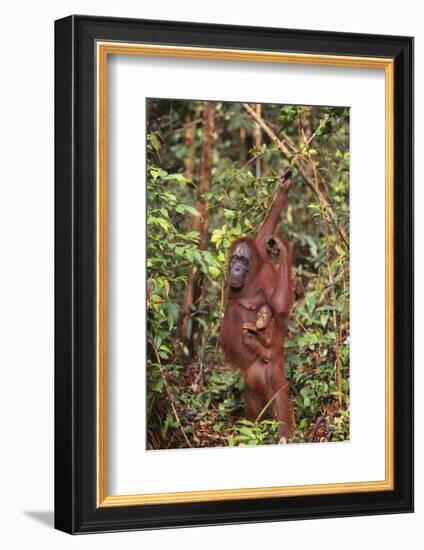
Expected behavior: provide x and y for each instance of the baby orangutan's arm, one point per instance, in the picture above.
(252, 342)
(264, 335)
(250, 327)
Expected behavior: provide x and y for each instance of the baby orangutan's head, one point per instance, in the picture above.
(263, 317)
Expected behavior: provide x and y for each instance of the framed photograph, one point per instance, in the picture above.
(234, 274)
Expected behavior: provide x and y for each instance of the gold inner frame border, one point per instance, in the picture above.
(103, 50)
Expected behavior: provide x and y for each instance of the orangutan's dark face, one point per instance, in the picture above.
(239, 265)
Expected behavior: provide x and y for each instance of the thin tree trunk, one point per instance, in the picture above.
(243, 148)
(307, 125)
(201, 224)
(258, 141)
(189, 133)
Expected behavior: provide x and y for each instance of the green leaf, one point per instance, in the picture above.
(163, 223)
(310, 300)
(178, 177)
(193, 211)
(229, 214)
(247, 431)
(154, 142)
(166, 287)
(214, 271)
(158, 386)
(324, 319)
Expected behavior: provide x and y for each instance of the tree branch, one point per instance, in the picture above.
(286, 152)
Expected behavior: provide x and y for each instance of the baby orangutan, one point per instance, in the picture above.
(259, 336)
(263, 374)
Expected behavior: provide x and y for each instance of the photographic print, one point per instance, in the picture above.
(247, 274)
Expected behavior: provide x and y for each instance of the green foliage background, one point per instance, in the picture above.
(193, 398)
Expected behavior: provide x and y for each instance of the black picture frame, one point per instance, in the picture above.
(76, 509)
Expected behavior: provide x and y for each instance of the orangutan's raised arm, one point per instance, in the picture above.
(270, 223)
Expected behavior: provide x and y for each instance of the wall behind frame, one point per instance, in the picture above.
(26, 278)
